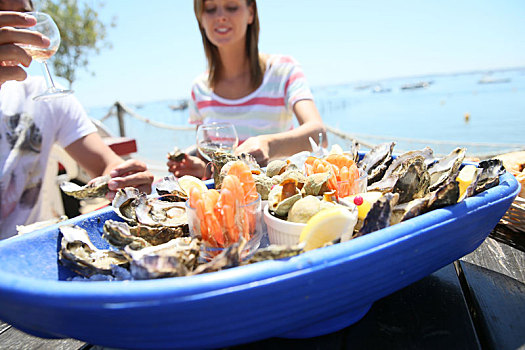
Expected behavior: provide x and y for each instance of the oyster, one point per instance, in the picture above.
(120, 234)
(410, 179)
(177, 155)
(175, 258)
(80, 255)
(377, 160)
(445, 168)
(406, 159)
(230, 256)
(408, 210)
(446, 194)
(97, 187)
(413, 183)
(490, 172)
(379, 215)
(221, 159)
(170, 189)
(274, 252)
(125, 203)
(156, 212)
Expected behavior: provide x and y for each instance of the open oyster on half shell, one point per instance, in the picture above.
(97, 187)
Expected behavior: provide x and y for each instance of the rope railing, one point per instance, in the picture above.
(120, 107)
(503, 147)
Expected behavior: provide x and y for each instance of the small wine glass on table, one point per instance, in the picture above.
(216, 137)
(46, 26)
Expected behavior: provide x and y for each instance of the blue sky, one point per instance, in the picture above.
(157, 49)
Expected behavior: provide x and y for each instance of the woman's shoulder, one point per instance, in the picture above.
(279, 60)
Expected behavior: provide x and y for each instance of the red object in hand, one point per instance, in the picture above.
(358, 200)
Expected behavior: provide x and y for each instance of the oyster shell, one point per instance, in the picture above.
(98, 187)
(221, 159)
(491, 170)
(410, 179)
(379, 215)
(175, 258)
(156, 212)
(446, 194)
(120, 234)
(170, 189)
(445, 168)
(377, 160)
(177, 155)
(230, 256)
(80, 255)
(408, 210)
(273, 252)
(125, 202)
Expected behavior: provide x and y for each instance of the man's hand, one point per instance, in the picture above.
(131, 173)
(190, 165)
(12, 55)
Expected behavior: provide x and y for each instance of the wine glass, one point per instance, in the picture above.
(46, 26)
(216, 137)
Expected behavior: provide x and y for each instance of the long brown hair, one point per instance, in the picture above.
(252, 46)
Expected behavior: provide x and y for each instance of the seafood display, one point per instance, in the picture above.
(190, 229)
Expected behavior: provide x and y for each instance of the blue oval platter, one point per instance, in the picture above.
(315, 293)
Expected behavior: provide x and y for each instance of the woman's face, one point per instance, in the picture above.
(225, 21)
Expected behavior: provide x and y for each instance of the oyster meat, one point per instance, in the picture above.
(97, 187)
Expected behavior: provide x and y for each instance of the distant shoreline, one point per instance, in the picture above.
(424, 75)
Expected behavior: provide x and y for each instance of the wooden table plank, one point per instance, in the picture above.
(429, 314)
(495, 274)
(12, 338)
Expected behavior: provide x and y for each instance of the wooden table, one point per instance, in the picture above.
(477, 302)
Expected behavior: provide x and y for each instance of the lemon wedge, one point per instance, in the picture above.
(369, 198)
(326, 226)
(187, 182)
(465, 177)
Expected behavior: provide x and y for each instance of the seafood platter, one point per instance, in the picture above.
(193, 267)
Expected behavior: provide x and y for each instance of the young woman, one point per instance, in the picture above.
(257, 93)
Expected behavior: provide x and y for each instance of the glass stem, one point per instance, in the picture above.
(49, 79)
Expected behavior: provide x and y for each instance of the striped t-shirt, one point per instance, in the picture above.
(267, 110)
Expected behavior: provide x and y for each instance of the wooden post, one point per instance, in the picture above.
(120, 116)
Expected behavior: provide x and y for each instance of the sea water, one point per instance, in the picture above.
(453, 110)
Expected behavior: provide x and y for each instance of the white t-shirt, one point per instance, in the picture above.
(28, 130)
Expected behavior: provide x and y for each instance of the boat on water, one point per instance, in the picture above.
(492, 80)
(180, 106)
(380, 89)
(418, 85)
